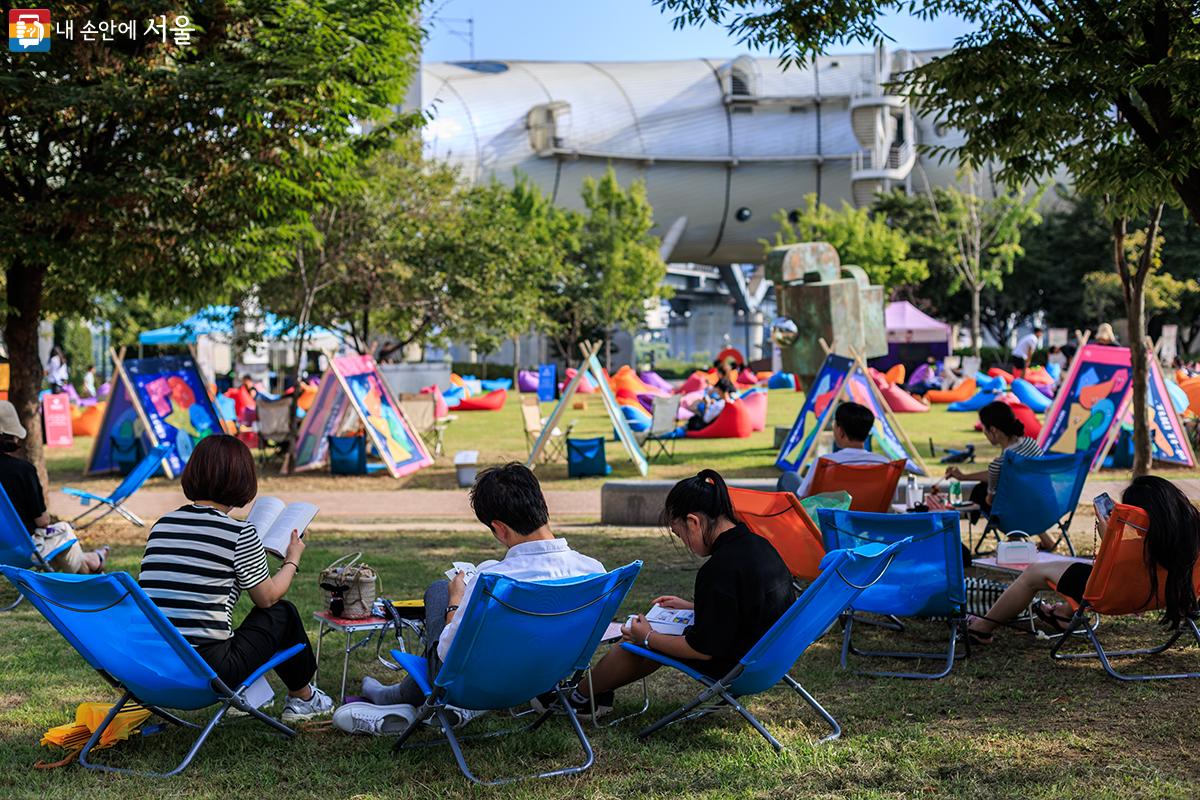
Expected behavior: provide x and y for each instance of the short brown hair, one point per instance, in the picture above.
(220, 469)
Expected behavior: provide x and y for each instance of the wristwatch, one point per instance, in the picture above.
(451, 608)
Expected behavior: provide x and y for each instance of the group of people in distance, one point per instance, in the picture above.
(706, 408)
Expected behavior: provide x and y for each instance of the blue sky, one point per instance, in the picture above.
(611, 30)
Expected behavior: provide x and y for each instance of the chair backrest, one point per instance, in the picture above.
(140, 474)
(16, 545)
(421, 410)
(1119, 583)
(586, 457)
(274, 417)
(348, 455)
(1035, 492)
(844, 575)
(531, 415)
(926, 580)
(517, 639)
(665, 414)
(779, 518)
(871, 486)
(120, 632)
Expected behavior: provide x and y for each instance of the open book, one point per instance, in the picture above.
(461, 566)
(671, 621)
(275, 520)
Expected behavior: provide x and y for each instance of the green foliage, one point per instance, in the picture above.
(1103, 89)
(859, 237)
(1104, 299)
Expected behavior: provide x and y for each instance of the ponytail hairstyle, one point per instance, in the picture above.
(705, 495)
(1172, 542)
(1001, 417)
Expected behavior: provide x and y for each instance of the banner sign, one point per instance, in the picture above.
(1085, 409)
(1168, 439)
(884, 437)
(818, 405)
(398, 445)
(175, 405)
(56, 420)
(547, 386)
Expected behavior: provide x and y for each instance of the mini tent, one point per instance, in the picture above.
(912, 337)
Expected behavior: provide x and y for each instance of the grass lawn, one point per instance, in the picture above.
(1007, 723)
(499, 437)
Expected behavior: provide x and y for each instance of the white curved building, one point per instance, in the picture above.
(722, 145)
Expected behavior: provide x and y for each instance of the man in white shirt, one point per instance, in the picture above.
(1027, 345)
(509, 501)
(852, 423)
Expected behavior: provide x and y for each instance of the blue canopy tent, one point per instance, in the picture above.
(218, 320)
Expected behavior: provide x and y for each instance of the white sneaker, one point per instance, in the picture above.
(374, 720)
(458, 717)
(296, 710)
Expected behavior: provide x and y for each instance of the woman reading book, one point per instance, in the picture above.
(740, 591)
(199, 560)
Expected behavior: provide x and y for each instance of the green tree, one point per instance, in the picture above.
(177, 171)
(614, 271)
(860, 238)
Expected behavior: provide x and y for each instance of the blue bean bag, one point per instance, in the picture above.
(977, 402)
(1179, 397)
(782, 380)
(493, 384)
(985, 384)
(1028, 394)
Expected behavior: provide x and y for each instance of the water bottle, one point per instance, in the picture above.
(955, 492)
(913, 493)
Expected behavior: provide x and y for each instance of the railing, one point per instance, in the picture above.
(896, 158)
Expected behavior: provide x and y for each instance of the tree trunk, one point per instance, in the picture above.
(1136, 310)
(976, 334)
(24, 290)
(516, 376)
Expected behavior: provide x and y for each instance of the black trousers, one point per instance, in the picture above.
(263, 633)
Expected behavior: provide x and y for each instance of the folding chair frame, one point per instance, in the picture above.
(101, 502)
(435, 708)
(716, 696)
(663, 450)
(1079, 625)
(949, 655)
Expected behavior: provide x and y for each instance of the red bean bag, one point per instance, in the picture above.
(492, 401)
(964, 391)
(734, 422)
(996, 372)
(1022, 412)
(696, 381)
(756, 403)
(440, 409)
(901, 401)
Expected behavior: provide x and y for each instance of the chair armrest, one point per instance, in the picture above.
(80, 493)
(48, 557)
(417, 668)
(272, 662)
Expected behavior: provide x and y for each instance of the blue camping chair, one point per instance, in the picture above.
(348, 455)
(844, 576)
(1037, 493)
(133, 481)
(16, 545)
(925, 582)
(518, 640)
(585, 458)
(119, 631)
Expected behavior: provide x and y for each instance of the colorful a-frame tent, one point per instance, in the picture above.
(590, 366)
(1096, 398)
(845, 378)
(354, 392)
(159, 401)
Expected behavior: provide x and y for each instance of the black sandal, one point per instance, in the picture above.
(978, 637)
(1045, 612)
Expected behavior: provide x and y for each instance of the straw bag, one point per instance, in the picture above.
(350, 588)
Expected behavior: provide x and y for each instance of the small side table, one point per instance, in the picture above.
(368, 625)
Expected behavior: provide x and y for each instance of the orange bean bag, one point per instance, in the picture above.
(87, 421)
(1038, 375)
(895, 375)
(307, 396)
(964, 391)
(1191, 387)
(996, 372)
(492, 401)
(734, 422)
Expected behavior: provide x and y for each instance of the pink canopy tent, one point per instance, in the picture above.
(912, 337)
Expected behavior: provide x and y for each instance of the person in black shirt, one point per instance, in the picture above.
(741, 591)
(19, 480)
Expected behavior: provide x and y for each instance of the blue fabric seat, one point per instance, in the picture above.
(845, 574)
(119, 631)
(348, 455)
(517, 640)
(585, 458)
(17, 548)
(1037, 493)
(145, 468)
(925, 582)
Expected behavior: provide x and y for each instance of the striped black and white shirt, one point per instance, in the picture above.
(197, 563)
(1025, 446)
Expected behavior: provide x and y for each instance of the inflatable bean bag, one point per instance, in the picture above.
(652, 378)
(626, 398)
(585, 386)
(492, 401)
(782, 380)
(695, 382)
(1038, 376)
(996, 372)
(1191, 387)
(87, 421)
(440, 407)
(963, 391)
(1054, 371)
(527, 381)
(627, 380)
(901, 401)
(1028, 394)
(895, 375)
(747, 378)
(975, 403)
(1022, 412)
(492, 384)
(637, 417)
(755, 401)
(990, 384)
(733, 423)
(920, 374)
(1179, 397)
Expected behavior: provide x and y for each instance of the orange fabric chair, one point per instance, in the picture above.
(871, 486)
(964, 391)
(779, 518)
(1119, 585)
